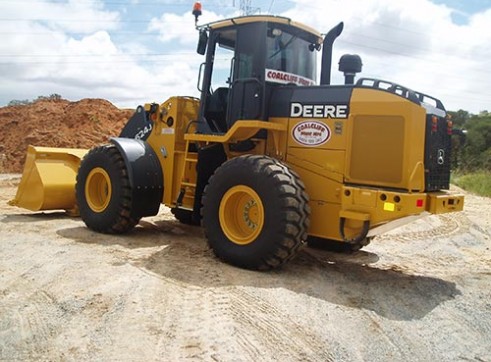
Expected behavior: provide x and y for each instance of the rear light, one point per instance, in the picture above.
(420, 203)
(434, 123)
(449, 127)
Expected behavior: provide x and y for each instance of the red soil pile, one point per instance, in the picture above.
(56, 123)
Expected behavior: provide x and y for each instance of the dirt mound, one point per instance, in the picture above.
(56, 123)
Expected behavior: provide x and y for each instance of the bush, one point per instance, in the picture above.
(478, 182)
(23, 102)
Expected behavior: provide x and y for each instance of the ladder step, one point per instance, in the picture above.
(189, 184)
(190, 160)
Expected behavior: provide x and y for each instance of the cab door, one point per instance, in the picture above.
(233, 81)
(247, 88)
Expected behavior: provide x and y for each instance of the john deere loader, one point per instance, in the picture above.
(268, 158)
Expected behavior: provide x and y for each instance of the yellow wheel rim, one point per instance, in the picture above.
(241, 215)
(98, 189)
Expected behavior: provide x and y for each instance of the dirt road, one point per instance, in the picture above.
(420, 293)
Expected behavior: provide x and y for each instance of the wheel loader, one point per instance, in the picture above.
(268, 158)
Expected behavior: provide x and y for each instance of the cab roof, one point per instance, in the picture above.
(264, 18)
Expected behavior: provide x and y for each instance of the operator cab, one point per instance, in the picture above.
(246, 58)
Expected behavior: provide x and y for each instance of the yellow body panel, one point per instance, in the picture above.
(357, 153)
(176, 118)
(241, 130)
(383, 159)
(48, 179)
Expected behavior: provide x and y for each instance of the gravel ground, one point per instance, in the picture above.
(419, 293)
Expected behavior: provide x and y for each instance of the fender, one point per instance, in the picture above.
(145, 175)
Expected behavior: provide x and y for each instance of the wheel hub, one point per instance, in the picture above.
(98, 189)
(241, 214)
(250, 214)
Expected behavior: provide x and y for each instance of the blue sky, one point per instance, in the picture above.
(137, 51)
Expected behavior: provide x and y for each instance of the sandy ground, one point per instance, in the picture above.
(420, 293)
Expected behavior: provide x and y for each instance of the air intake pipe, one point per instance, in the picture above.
(350, 64)
(327, 53)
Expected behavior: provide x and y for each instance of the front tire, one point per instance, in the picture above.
(104, 193)
(255, 212)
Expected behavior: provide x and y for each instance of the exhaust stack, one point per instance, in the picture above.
(327, 53)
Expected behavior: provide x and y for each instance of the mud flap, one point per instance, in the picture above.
(145, 175)
(48, 179)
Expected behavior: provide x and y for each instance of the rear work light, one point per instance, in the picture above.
(434, 123)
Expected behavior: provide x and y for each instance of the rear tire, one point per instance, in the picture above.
(255, 212)
(103, 191)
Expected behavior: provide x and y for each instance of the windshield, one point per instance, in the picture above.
(289, 58)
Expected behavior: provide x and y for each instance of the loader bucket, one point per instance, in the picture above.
(48, 179)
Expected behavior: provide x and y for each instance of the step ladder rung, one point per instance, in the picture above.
(189, 184)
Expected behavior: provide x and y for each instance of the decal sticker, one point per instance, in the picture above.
(143, 134)
(167, 130)
(319, 110)
(278, 76)
(338, 128)
(311, 133)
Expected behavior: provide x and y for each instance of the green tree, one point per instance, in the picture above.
(459, 118)
(476, 154)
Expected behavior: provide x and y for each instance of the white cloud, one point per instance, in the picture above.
(70, 49)
(71, 16)
(180, 29)
(414, 43)
(46, 58)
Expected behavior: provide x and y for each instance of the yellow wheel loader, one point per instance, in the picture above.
(268, 158)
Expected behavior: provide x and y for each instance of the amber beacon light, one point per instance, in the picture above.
(197, 11)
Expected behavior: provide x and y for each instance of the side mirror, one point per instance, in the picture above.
(203, 40)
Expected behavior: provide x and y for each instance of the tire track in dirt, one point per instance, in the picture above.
(211, 309)
(276, 330)
(447, 225)
(31, 329)
(33, 322)
(214, 323)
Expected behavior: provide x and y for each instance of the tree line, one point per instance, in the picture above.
(471, 144)
(23, 102)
